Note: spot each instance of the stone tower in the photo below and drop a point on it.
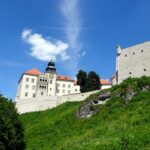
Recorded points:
(50, 72)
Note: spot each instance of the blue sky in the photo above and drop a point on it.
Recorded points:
(78, 34)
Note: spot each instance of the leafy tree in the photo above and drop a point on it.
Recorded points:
(11, 131)
(82, 80)
(93, 82)
(88, 82)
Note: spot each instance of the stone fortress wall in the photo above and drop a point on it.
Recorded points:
(47, 102)
(133, 61)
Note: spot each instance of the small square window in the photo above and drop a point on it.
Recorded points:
(27, 79)
(32, 80)
(142, 51)
(33, 94)
(63, 85)
(26, 94)
(130, 73)
(27, 86)
(145, 70)
(33, 87)
(125, 55)
(133, 53)
(42, 93)
(51, 81)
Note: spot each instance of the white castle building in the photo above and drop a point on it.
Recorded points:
(33, 83)
(133, 61)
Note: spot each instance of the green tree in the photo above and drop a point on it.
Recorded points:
(88, 82)
(82, 80)
(11, 131)
(93, 82)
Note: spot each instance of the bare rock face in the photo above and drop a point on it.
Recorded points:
(146, 88)
(104, 96)
(87, 110)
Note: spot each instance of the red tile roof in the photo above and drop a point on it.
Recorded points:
(33, 71)
(66, 78)
(105, 82)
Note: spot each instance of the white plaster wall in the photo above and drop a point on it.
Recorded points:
(65, 90)
(106, 87)
(44, 103)
(134, 63)
(22, 86)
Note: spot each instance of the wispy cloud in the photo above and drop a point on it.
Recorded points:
(45, 49)
(72, 27)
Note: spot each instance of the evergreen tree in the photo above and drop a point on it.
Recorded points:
(11, 131)
(88, 82)
(82, 80)
(93, 82)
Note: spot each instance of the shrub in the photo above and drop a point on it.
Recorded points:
(11, 131)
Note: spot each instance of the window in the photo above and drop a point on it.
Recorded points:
(142, 51)
(51, 81)
(57, 91)
(33, 94)
(58, 85)
(27, 86)
(42, 93)
(26, 94)
(133, 53)
(50, 89)
(33, 87)
(32, 80)
(63, 91)
(69, 86)
(130, 73)
(145, 70)
(63, 85)
(68, 91)
(40, 86)
(27, 79)
(45, 80)
(125, 55)
(40, 79)
(76, 90)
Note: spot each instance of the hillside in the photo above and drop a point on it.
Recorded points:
(118, 125)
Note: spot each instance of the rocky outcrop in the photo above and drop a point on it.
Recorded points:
(104, 96)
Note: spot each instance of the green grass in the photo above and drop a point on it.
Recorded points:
(117, 126)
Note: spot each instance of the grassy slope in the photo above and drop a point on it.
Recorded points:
(116, 126)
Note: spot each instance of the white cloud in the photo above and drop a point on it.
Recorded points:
(45, 49)
(70, 11)
(72, 28)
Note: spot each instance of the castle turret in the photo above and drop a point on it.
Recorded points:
(50, 67)
(119, 49)
(50, 71)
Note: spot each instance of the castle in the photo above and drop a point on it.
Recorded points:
(40, 91)
(133, 61)
(33, 84)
